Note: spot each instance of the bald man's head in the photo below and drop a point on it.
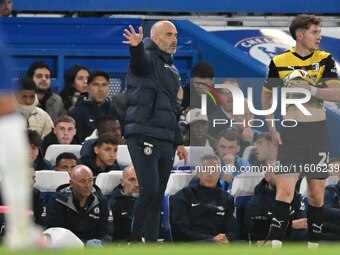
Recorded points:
(164, 34)
(129, 182)
(81, 181)
(79, 169)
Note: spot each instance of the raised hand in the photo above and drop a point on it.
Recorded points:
(133, 38)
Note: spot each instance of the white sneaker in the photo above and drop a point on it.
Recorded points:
(276, 244)
(312, 245)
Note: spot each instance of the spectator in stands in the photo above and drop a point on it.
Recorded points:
(203, 212)
(243, 130)
(331, 223)
(225, 111)
(83, 211)
(5, 8)
(122, 201)
(92, 105)
(36, 156)
(103, 154)
(259, 211)
(36, 118)
(65, 162)
(105, 124)
(49, 101)
(198, 130)
(202, 77)
(265, 150)
(75, 83)
(228, 148)
(64, 132)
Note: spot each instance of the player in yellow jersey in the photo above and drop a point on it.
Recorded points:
(305, 146)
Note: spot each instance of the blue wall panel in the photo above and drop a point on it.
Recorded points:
(253, 6)
(95, 43)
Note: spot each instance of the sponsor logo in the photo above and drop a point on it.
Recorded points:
(193, 205)
(93, 216)
(317, 229)
(221, 208)
(276, 223)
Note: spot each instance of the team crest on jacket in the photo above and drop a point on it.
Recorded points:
(147, 151)
(96, 210)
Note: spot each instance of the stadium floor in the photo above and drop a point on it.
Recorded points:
(186, 249)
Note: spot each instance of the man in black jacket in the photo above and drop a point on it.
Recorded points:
(92, 105)
(203, 211)
(102, 155)
(83, 211)
(122, 201)
(151, 121)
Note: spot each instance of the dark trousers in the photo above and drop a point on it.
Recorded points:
(152, 160)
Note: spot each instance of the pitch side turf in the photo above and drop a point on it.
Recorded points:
(188, 249)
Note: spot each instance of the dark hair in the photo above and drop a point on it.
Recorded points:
(68, 90)
(203, 70)
(36, 65)
(229, 135)
(303, 21)
(26, 83)
(66, 155)
(267, 137)
(106, 138)
(34, 137)
(97, 73)
(101, 121)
